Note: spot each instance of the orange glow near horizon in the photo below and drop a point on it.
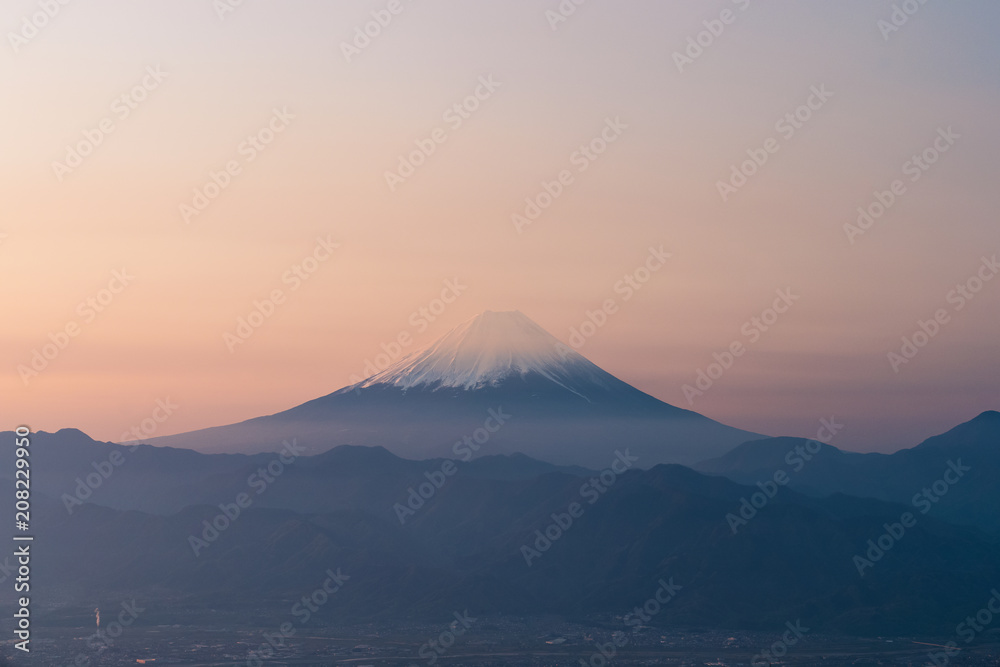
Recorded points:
(159, 329)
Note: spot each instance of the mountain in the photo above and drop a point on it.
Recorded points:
(901, 477)
(464, 549)
(489, 349)
(499, 384)
(74, 469)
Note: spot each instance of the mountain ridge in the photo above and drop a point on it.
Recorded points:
(564, 409)
(897, 477)
(464, 546)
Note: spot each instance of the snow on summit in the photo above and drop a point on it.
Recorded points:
(486, 349)
(569, 411)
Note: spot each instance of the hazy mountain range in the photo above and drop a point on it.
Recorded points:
(499, 471)
(907, 476)
(464, 546)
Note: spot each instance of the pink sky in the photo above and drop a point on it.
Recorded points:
(670, 137)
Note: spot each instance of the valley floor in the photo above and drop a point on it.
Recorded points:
(487, 641)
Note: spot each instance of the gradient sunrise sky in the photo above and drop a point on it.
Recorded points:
(323, 176)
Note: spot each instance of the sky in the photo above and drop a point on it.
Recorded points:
(170, 167)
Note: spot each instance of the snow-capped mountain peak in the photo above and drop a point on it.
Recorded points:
(486, 349)
(562, 407)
